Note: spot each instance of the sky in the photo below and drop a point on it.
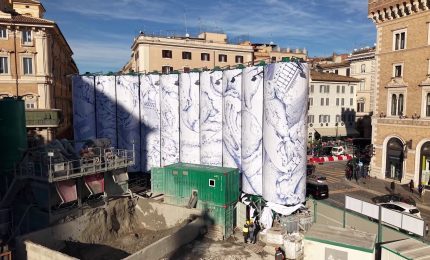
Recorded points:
(101, 32)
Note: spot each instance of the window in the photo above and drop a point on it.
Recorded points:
(26, 36)
(337, 89)
(398, 70)
(186, 55)
(397, 104)
(336, 71)
(348, 72)
(327, 89)
(327, 101)
(351, 101)
(3, 33)
(322, 101)
(167, 54)
(211, 183)
(362, 85)
(360, 107)
(337, 101)
(428, 105)
(343, 89)
(311, 101)
(186, 69)
(363, 68)
(273, 59)
(27, 66)
(337, 118)
(4, 66)
(310, 119)
(205, 57)
(239, 59)
(166, 69)
(399, 40)
(312, 88)
(321, 88)
(342, 102)
(222, 58)
(352, 90)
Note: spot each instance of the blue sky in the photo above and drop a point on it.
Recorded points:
(101, 32)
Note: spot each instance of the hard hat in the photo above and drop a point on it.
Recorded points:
(247, 222)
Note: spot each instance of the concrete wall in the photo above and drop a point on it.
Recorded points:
(152, 215)
(38, 252)
(169, 244)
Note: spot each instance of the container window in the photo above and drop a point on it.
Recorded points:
(175, 172)
(211, 183)
(185, 173)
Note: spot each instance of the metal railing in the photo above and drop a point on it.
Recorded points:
(100, 161)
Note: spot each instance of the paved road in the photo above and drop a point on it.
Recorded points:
(363, 189)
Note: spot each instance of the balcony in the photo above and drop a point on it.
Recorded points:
(43, 117)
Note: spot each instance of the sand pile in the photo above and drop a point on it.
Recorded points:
(117, 219)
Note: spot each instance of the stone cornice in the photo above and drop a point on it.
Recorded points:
(396, 82)
(426, 82)
(382, 10)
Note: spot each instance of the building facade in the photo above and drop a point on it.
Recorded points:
(167, 54)
(273, 53)
(363, 67)
(401, 122)
(331, 105)
(35, 64)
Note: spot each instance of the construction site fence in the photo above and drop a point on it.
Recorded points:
(331, 215)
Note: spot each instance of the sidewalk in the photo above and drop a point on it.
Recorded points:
(382, 187)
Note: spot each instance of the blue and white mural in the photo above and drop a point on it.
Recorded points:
(128, 119)
(232, 121)
(84, 108)
(169, 99)
(284, 133)
(189, 127)
(211, 118)
(150, 121)
(251, 119)
(106, 108)
(252, 130)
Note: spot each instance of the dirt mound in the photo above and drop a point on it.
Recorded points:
(113, 221)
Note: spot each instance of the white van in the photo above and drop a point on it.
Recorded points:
(338, 150)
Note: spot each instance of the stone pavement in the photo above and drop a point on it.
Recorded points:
(382, 187)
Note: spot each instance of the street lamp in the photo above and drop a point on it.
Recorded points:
(337, 129)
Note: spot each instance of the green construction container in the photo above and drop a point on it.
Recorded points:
(214, 185)
(13, 133)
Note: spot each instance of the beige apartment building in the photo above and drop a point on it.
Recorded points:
(35, 64)
(401, 122)
(273, 53)
(167, 54)
(363, 67)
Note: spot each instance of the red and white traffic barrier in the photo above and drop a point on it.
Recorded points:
(330, 158)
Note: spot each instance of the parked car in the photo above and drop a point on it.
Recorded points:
(402, 207)
(318, 190)
(318, 178)
(394, 198)
(338, 150)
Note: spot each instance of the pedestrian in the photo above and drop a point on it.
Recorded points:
(420, 190)
(411, 186)
(279, 255)
(245, 232)
(251, 231)
(257, 229)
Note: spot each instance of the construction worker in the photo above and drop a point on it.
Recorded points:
(279, 255)
(245, 232)
(251, 233)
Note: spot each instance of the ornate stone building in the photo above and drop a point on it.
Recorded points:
(401, 122)
(36, 63)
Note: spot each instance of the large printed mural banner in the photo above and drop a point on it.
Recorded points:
(253, 119)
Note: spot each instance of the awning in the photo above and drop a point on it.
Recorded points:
(339, 131)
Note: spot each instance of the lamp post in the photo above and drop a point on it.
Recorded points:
(337, 129)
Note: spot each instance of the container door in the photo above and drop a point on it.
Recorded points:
(157, 180)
